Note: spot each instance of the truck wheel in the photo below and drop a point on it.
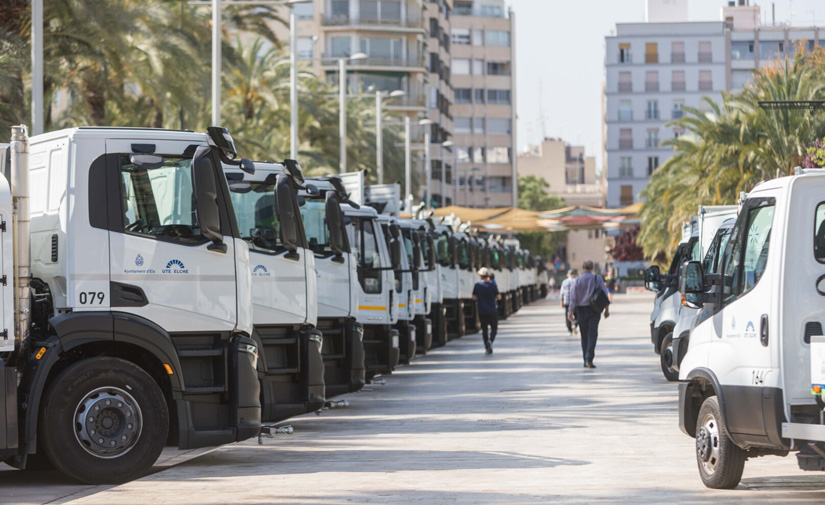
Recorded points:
(666, 358)
(104, 421)
(720, 461)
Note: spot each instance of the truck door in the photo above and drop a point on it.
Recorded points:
(331, 272)
(740, 354)
(372, 304)
(279, 287)
(162, 267)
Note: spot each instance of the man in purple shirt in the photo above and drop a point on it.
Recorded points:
(588, 319)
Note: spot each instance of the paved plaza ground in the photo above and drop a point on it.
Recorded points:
(525, 425)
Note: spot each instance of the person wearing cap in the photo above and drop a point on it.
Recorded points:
(486, 294)
(565, 291)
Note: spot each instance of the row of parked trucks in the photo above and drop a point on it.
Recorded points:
(737, 321)
(158, 290)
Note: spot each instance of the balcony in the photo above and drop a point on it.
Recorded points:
(678, 114)
(705, 85)
(625, 115)
(625, 87)
(678, 86)
(677, 58)
(625, 143)
(412, 21)
(652, 143)
(651, 86)
(652, 115)
(705, 57)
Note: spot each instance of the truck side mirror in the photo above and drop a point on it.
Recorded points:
(395, 253)
(206, 197)
(335, 223)
(652, 278)
(453, 250)
(395, 231)
(416, 256)
(431, 253)
(286, 213)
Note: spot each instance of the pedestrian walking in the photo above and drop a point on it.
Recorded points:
(552, 284)
(565, 290)
(610, 282)
(588, 298)
(486, 294)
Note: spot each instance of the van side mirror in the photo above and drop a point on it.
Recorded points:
(287, 217)
(206, 197)
(395, 253)
(692, 278)
(335, 223)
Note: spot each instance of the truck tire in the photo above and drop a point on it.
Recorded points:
(720, 461)
(119, 444)
(666, 358)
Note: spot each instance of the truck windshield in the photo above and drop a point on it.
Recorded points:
(160, 201)
(495, 259)
(442, 247)
(314, 216)
(425, 250)
(256, 210)
(463, 255)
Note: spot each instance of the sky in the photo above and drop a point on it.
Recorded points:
(560, 59)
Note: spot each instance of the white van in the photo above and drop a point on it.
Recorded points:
(747, 387)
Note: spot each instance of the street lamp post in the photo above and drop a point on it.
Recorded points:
(379, 131)
(216, 62)
(37, 67)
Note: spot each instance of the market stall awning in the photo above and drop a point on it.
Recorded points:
(470, 214)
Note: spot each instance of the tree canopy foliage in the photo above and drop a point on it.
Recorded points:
(732, 146)
(145, 63)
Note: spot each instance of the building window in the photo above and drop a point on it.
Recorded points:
(625, 55)
(626, 197)
(478, 37)
(305, 47)
(677, 109)
(340, 9)
(741, 50)
(625, 82)
(461, 66)
(463, 154)
(381, 10)
(705, 52)
(651, 52)
(652, 111)
(383, 49)
(479, 155)
(339, 47)
(652, 164)
(771, 50)
(498, 155)
(625, 110)
(705, 80)
(677, 52)
(463, 125)
(625, 167)
(463, 95)
(478, 67)
(498, 38)
(478, 126)
(491, 11)
(461, 36)
(498, 68)
(433, 103)
(625, 138)
(652, 138)
(678, 83)
(652, 81)
(499, 126)
(304, 11)
(740, 79)
(678, 132)
(498, 96)
(479, 96)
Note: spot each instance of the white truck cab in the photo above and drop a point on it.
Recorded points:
(337, 285)
(129, 316)
(447, 248)
(376, 295)
(421, 254)
(751, 378)
(284, 291)
(404, 293)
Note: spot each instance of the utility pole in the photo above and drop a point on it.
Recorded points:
(216, 62)
(38, 105)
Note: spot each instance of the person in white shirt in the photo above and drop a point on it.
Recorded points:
(566, 289)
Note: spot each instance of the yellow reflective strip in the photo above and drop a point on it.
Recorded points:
(401, 306)
(369, 307)
(419, 301)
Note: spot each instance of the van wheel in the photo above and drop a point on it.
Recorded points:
(720, 461)
(105, 421)
(666, 358)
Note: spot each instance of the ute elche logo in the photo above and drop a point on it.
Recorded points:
(260, 271)
(175, 267)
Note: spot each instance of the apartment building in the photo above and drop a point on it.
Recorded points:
(439, 99)
(483, 77)
(654, 69)
(570, 173)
